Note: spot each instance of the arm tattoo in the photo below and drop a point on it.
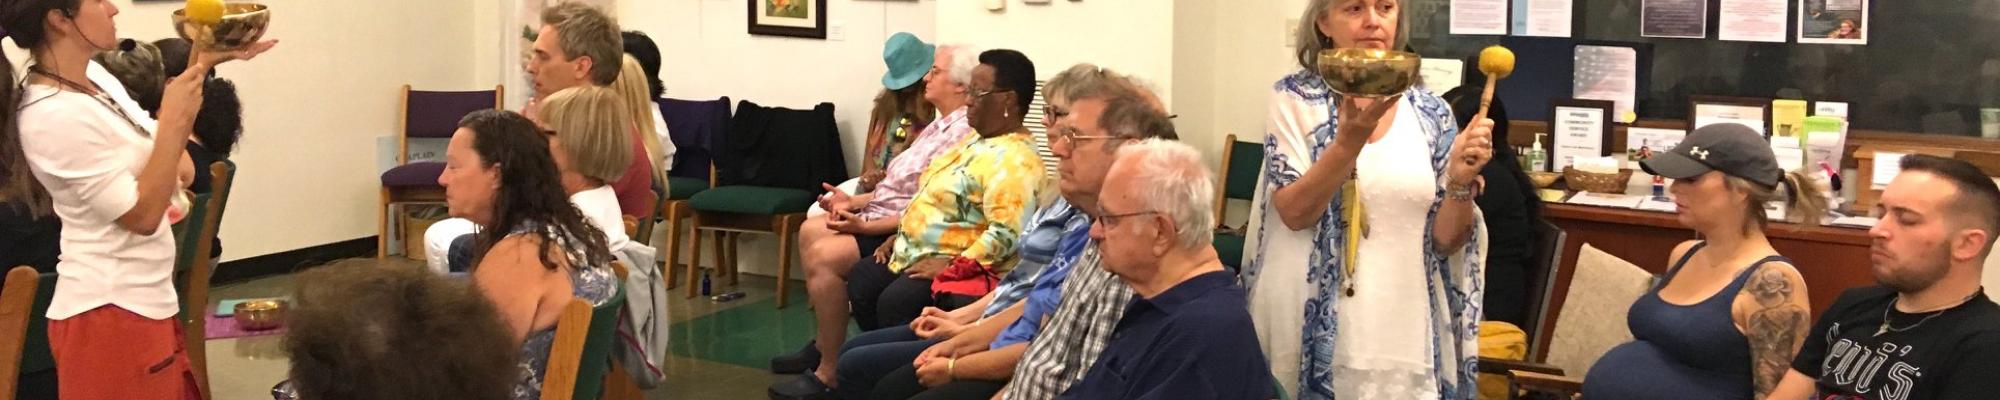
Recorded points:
(1774, 329)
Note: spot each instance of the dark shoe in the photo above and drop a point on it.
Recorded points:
(804, 387)
(796, 362)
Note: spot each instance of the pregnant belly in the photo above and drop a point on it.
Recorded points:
(1638, 370)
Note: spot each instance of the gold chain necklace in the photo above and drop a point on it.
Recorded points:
(1885, 329)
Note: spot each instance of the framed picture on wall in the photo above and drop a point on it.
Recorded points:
(795, 18)
(1578, 129)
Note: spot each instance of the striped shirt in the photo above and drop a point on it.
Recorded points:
(1092, 302)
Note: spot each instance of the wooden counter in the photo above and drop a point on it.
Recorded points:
(1832, 259)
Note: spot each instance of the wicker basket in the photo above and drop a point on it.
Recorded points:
(1597, 183)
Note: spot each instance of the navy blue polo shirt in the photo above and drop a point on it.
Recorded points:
(1194, 341)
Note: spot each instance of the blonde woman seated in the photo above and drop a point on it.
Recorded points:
(589, 145)
(537, 252)
(1731, 312)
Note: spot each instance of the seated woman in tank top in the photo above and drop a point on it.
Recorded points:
(538, 252)
(1731, 312)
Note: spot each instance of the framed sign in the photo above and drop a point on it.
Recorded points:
(795, 18)
(1709, 110)
(1643, 143)
(1578, 129)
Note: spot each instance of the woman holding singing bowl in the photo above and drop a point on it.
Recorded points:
(110, 173)
(1363, 267)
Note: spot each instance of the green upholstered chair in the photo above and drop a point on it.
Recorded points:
(194, 262)
(581, 354)
(1241, 162)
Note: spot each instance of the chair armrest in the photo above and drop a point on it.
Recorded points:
(1534, 382)
(1504, 366)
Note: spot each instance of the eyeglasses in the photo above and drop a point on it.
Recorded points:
(1111, 220)
(1055, 113)
(1069, 135)
(982, 93)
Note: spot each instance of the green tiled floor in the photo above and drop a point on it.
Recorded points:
(747, 335)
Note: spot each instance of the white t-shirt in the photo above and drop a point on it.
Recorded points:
(667, 148)
(89, 159)
(600, 206)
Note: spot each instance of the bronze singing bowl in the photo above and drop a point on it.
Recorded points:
(257, 315)
(1368, 72)
(242, 24)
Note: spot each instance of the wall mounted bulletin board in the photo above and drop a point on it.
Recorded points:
(1928, 67)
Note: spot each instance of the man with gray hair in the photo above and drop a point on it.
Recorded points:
(1081, 320)
(1188, 334)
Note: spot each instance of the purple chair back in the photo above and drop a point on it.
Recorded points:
(429, 114)
(693, 125)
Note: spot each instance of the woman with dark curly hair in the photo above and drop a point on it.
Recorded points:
(537, 251)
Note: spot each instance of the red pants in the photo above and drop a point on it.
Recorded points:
(109, 353)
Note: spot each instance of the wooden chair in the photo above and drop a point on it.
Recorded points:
(17, 300)
(1241, 162)
(195, 262)
(1541, 374)
(728, 228)
(425, 114)
(738, 205)
(642, 230)
(618, 383)
(36, 362)
(1542, 279)
(692, 125)
(581, 355)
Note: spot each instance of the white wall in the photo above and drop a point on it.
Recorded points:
(1246, 50)
(707, 53)
(314, 106)
(1131, 36)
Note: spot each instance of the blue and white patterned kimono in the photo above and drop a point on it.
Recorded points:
(1411, 331)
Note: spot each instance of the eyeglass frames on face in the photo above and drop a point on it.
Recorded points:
(1069, 135)
(976, 95)
(1111, 220)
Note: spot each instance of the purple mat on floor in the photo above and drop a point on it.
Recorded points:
(225, 328)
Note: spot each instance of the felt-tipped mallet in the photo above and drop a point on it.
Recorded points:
(1496, 62)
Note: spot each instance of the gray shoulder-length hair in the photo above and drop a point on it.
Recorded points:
(1308, 42)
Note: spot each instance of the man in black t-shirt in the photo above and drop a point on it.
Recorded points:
(1928, 331)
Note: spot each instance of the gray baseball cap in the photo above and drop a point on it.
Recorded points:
(1734, 149)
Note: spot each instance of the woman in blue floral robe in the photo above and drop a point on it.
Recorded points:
(1408, 328)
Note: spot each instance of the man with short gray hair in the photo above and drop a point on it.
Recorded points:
(1187, 334)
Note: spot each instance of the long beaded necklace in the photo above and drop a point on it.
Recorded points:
(97, 93)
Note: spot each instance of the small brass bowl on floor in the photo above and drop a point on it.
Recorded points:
(242, 24)
(257, 315)
(1368, 72)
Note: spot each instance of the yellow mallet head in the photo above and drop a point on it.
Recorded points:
(1496, 61)
(205, 12)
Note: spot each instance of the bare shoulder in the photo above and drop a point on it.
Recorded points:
(517, 253)
(1680, 250)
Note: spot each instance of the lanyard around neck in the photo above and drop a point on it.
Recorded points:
(96, 93)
